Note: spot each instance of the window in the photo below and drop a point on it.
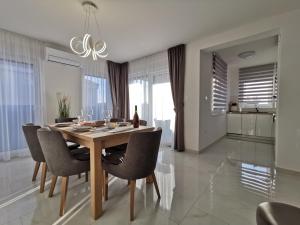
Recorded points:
(139, 96)
(97, 96)
(258, 86)
(219, 85)
(150, 90)
(163, 110)
(153, 97)
(19, 104)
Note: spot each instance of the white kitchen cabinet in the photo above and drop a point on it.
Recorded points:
(234, 123)
(264, 125)
(248, 124)
(252, 124)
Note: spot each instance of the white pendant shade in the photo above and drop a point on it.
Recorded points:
(85, 46)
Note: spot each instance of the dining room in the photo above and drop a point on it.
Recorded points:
(116, 112)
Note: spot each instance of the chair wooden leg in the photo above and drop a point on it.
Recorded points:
(103, 182)
(79, 175)
(155, 184)
(64, 189)
(105, 186)
(149, 179)
(132, 189)
(86, 176)
(52, 187)
(36, 170)
(43, 178)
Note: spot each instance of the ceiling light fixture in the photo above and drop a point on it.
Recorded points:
(246, 54)
(85, 45)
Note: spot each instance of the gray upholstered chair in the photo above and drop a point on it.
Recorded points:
(142, 122)
(64, 120)
(139, 162)
(115, 120)
(116, 152)
(60, 161)
(30, 133)
(275, 213)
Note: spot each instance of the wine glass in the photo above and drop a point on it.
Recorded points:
(83, 114)
(107, 116)
(90, 113)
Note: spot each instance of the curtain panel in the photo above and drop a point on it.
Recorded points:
(21, 91)
(176, 57)
(96, 94)
(118, 79)
(150, 90)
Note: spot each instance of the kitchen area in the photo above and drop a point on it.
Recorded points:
(252, 89)
(239, 91)
(251, 124)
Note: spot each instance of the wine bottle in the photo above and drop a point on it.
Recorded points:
(136, 120)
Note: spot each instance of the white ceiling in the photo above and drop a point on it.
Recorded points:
(135, 28)
(266, 51)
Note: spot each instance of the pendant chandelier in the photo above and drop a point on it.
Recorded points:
(85, 45)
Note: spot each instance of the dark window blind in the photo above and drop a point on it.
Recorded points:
(258, 84)
(219, 84)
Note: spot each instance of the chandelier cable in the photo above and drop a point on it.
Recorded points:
(97, 24)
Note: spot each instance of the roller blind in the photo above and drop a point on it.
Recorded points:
(219, 84)
(258, 84)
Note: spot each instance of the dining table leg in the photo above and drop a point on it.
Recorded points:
(96, 179)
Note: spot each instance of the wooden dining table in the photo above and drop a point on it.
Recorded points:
(96, 140)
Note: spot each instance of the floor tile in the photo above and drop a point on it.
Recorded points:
(221, 185)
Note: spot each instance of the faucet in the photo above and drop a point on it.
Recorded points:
(256, 108)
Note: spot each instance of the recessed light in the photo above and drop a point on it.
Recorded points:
(246, 54)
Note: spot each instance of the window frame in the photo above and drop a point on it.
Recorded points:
(218, 61)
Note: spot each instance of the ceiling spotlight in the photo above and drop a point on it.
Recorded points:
(246, 54)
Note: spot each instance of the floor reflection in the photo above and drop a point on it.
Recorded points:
(258, 179)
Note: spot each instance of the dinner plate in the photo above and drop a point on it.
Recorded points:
(123, 124)
(82, 128)
(120, 129)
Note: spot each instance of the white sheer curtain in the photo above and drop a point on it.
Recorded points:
(96, 96)
(150, 90)
(20, 91)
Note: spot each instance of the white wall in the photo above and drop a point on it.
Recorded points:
(233, 82)
(66, 80)
(288, 122)
(212, 127)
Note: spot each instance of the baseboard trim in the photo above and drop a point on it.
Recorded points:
(288, 171)
(266, 140)
(208, 146)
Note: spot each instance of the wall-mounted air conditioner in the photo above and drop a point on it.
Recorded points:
(54, 55)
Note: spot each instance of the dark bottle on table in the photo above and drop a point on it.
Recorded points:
(136, 120)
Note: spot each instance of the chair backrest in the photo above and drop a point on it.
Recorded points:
(65, 120)
(141, 154)
(142, 122)
(59, 160)
(30, 133)
(114, 120)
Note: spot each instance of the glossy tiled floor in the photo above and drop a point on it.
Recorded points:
(222, 185)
